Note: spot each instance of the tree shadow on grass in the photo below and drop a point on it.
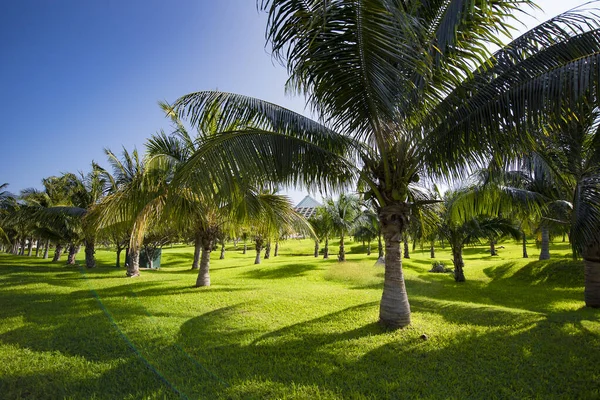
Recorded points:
(515, 354)
(280, 272)
(561, 273)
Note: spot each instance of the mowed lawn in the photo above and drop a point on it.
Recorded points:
(297, 327)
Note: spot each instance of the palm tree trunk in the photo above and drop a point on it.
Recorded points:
(23, 244)
(459, 273)
(257, 259)
(591, 262)
(525, 255)
(57, 252)
(406, 253)
(72, 253)
(119, 250)
(46, 248)
(432, 251)
(342, 253)
(133, 267)
(222, 256)
(276, 253)
(326, 249)
(90, 250)
(29, 247)
(394, 309)
(15, 247)
(259, 241)
(268, 250)
(204, 269)
(545, 253)
(197, 250)
(245, 248)
(369, 248)
(316, 248)
(37, 248)
(493, 248)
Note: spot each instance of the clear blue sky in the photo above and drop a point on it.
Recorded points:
(77, 76)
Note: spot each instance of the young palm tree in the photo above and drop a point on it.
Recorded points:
(461, 229)
(343, 214)
(274, 213)
(401, 89)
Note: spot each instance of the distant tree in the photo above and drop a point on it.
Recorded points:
(343, 214)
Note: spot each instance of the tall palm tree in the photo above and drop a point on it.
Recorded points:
(401, 89)
(570, 149)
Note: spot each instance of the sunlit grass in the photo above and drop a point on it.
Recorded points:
(297, 326)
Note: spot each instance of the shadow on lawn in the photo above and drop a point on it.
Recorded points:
(280, 272)
(524, 355)
(558, 273)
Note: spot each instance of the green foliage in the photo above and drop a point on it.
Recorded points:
(297, 327)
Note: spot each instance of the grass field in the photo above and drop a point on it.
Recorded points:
(297, 327)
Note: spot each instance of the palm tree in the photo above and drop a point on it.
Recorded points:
(323, 228)
(570, 149)
(402, 89)
(343, 214)
(273, 213)
(127, 171)
(5, 206)
(460, 228)
(367, 227)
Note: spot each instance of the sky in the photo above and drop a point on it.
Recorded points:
(80, 76)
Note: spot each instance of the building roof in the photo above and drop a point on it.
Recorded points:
(307, 207)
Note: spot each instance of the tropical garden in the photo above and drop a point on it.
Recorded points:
(446, 170)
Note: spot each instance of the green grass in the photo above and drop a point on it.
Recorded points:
(297, 327)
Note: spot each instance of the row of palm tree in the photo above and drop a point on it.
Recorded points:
(402, 91)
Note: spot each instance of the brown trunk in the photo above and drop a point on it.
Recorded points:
(394, 310)
(29, 247)
(591, 260)
(133, 268)
(22, 248)
(545, 252)
(90, 250)
(222, 256)
(204, 269)
(197, 250)
(432, 251)
(46, 248)
(369, 248)
(459, 274)
(326, 249)
(268, 250)
(342, 253)
(493, 248)
(57, 252)
(259, 242)
(316, 248)
(276, 252)
(119, 250)
(72, 253)
(406, 253)
(245, 248)
(525, 255)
